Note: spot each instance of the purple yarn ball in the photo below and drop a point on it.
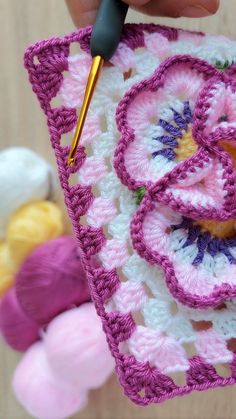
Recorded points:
(18, 330)
(51, 280)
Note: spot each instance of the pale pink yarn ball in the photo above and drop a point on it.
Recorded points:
(77, 349)
(41, 393)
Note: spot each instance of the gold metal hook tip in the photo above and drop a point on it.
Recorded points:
(94, 73)
(71, 161)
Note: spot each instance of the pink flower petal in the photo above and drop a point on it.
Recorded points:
(197, 285)
(183, 83)
(141, 112)
(179, 84)
(203, 187)
(222, 109)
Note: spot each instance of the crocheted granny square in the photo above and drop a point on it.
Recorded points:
(152, 198)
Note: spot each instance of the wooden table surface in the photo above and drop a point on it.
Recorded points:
(22, 123)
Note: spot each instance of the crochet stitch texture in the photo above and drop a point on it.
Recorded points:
(152, 198)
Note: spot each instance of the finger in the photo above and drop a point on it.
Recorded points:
(187, 8)
(83, 12)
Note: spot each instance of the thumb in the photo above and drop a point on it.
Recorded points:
(83, 12)
(172, 8)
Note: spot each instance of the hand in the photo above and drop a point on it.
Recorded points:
(83, 12)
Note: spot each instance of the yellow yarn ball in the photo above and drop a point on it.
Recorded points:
(6, 269)
(32, 225)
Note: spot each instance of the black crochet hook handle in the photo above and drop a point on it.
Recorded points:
(108, 28)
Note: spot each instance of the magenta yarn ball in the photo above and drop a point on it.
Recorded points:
(18, 330)
(51, 280)
(77, 349)
(41, 393)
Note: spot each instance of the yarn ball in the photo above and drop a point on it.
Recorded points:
(41, 393)
(6, 269)
(32, 225)
(51, 280)
(77, 349)
(24, 177)
(17, 329)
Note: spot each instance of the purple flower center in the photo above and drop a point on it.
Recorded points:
(205, 242)
(173, 132)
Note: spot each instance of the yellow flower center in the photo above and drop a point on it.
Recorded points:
(220, 229)
(230, 148)
(186, 146)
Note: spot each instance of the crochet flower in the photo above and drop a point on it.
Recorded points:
(178, 143)
(178, 138)
(198, 257)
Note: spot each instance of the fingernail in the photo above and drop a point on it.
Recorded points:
(195, 11)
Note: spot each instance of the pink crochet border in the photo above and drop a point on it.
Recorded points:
(46, 61)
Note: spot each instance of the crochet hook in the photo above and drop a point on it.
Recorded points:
(104, 41)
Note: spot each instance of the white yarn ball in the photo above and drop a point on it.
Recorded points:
(24, 177)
